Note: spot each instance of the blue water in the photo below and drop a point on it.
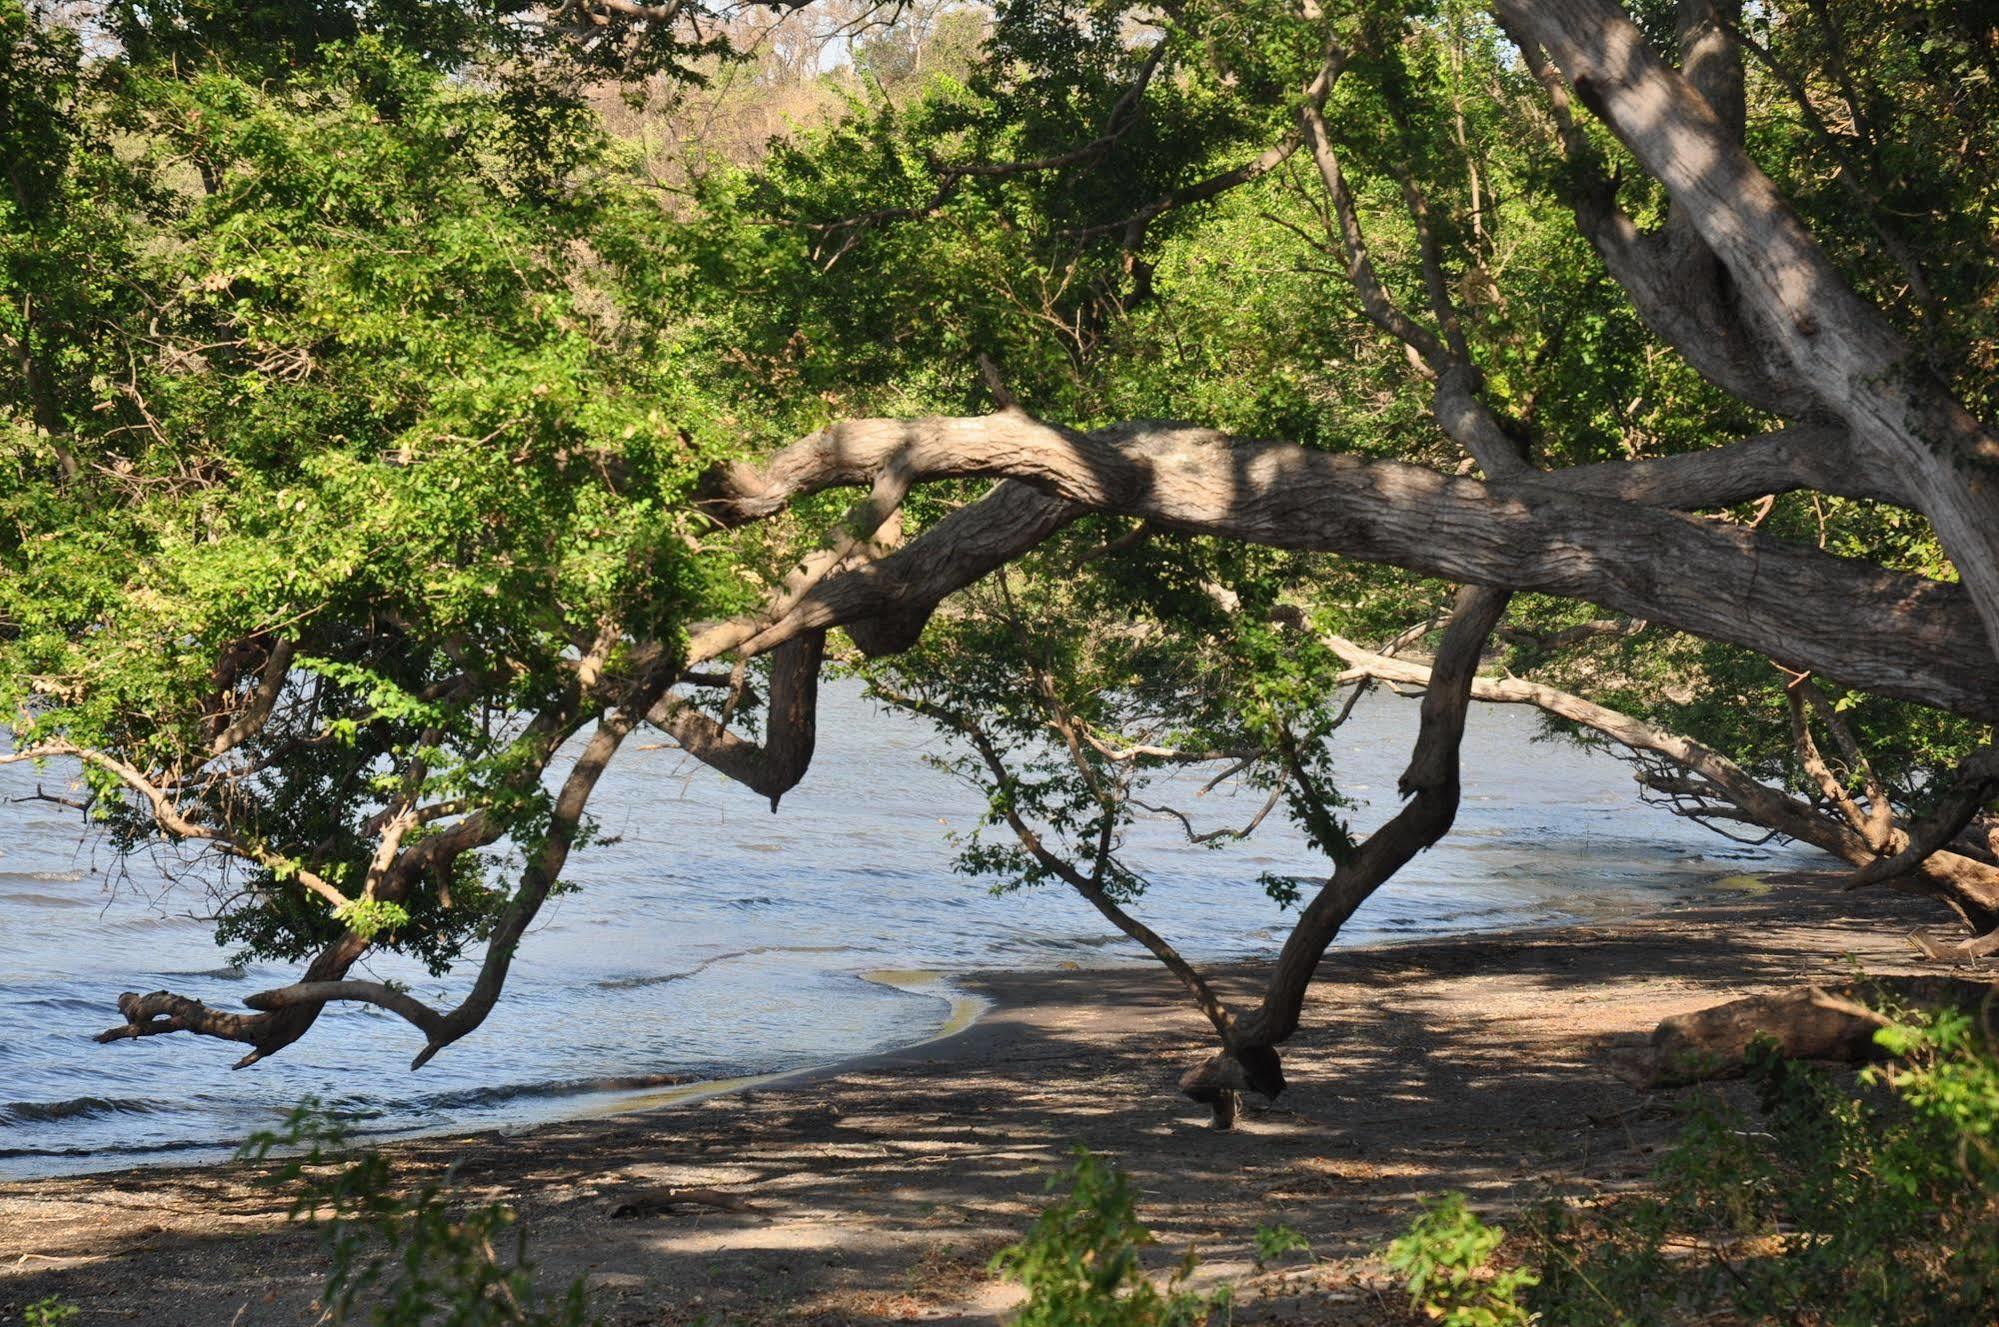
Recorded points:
(713, 939)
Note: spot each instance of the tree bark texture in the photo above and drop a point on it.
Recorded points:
(1923, 640)
(1800, 309)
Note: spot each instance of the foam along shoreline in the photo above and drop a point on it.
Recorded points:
(551, 1104)
(541, 1105)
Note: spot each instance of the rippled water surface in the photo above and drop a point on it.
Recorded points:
(714, 939)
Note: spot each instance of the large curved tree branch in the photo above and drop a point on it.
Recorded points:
(1976, 784)
(1715, 580)
(775, 767)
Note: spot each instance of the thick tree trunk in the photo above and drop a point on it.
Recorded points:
(1801, 309)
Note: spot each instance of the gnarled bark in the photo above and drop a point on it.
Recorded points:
(1798, 306)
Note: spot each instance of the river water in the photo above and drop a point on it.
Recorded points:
(712, 939)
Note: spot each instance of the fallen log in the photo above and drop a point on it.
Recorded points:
(646, 1202)
(1829, 1022)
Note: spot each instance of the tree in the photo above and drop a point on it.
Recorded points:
(1538, 325)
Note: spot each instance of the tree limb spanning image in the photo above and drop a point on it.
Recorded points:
(406, 405)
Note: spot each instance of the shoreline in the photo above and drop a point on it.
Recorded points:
(880, 1185)
(639, 1091)
(622, 1094)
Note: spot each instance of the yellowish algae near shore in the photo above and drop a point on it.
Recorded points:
(1744, 884)
(965, 1009)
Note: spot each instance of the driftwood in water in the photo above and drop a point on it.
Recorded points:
(1824, 1022)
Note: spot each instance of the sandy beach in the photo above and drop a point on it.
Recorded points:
(875, 1191)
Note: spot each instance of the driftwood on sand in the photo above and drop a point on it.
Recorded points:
(1827, 1021)
(651, 1201)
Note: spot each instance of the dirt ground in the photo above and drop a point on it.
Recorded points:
(880, 1189)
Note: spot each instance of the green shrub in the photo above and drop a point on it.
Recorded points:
(50, 1312)
(418, 1259)
(1277, 1239)
(1079, 1262)
(1849, 1202)
(1445, 1261)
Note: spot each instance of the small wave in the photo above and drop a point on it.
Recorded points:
(117, 1149)
(73, 1001)
(42, 1112)
(32, 900)
(662, 978)
(650, 979)
(68, 877)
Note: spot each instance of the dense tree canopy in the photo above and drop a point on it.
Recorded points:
(405, 403)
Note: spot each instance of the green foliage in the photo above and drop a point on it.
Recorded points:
(499, 38)
(349, 327)
(1446, 1263)
(52, 1311)
(412, 1257)
(1080, 1261)
(368, 918)
(1852, 1202)
(1275, 1240)
(390, 402)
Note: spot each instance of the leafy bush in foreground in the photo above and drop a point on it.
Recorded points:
(1842, 1203)
(417, 1259)
(51, 1312)
(1079, 1262)
(1445, 1262)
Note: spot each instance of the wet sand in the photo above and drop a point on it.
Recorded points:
(878, 1189)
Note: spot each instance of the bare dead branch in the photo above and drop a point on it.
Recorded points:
(1969, 885)
(174, 822)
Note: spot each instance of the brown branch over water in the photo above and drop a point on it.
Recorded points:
(1526, 532)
